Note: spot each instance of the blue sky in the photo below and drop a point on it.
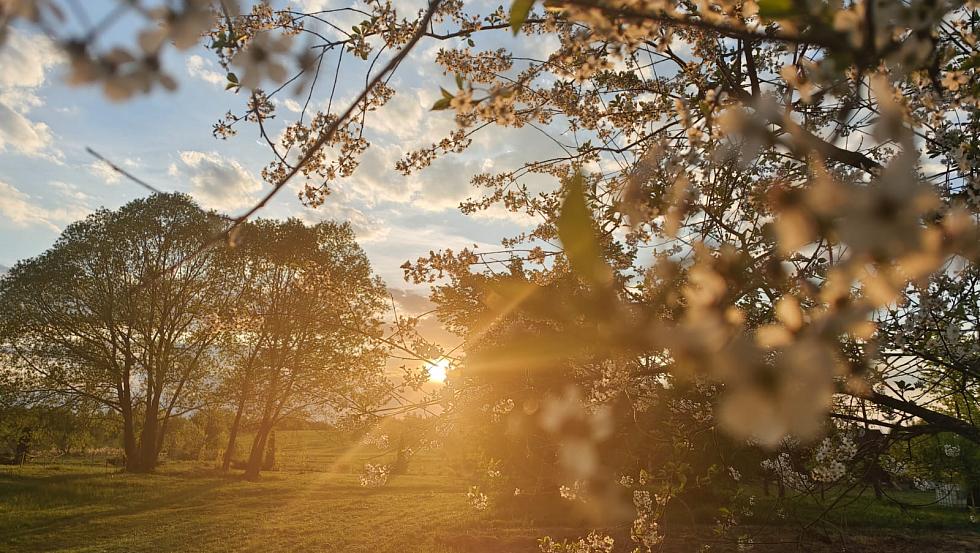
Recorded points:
(48, 180)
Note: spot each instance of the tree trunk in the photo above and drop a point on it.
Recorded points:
(270, 452)
(23, 446)
(161, 433)
(148, 438)
(262, 432)
(232, 436)
(129, 439)
(258, 448)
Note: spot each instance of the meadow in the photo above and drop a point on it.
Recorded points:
(315, 503)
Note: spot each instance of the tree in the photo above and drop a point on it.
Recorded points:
(775, 198)
(305, 331)
(120, 311)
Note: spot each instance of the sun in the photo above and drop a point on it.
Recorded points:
(439, 370)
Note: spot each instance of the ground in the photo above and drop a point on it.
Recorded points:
(86, 507)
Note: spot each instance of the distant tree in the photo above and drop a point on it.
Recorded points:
(120, 311)
(305, 331)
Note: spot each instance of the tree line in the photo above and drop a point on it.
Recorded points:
(138, 312)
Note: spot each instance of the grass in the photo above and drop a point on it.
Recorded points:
(899, 509)
(315, 503)
(82, 508)
(319, 451)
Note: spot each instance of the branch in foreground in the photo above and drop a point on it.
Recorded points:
(229, 233)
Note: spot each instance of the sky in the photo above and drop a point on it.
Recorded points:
(48, 180)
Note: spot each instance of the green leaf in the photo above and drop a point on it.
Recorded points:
(459, 81)
(576, 231)
(232, 78)
(441, 104)
(470, 42)
(772, 9)
(519, 11)
(446, 94)
(970, 63)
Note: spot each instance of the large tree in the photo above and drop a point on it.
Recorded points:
(120, 311)
(304, 334)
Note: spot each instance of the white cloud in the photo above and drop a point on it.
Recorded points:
(102, 170)
(205, 70)
(445, 183)
(21, 210)
(402, 118)
(70, 191)
(292, 105)
(26, 136)
(25, 59)
(215, 181)
(367, 227)
(311, 5)
(376, 179)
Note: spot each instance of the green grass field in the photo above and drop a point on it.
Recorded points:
(319, 451)
(186, 508)
(315, 503)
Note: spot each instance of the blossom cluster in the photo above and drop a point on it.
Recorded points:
(831, 458)
(477, 499)
(375, 476)
(594, 542)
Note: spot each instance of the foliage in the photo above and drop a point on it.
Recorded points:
(762, 231)
(302, 335)
(119, 311)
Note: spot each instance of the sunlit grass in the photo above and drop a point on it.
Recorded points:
(190, 507)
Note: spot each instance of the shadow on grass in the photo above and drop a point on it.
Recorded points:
(33, 500)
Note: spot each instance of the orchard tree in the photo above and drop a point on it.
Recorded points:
(120, 311)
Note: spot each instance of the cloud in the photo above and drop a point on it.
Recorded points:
(415, 303)
(70, 191)
(411, 302)
(21, 210)
(376, 180)
(446, 183)
(107, 174)
(103, 171)
(205, 70)
(215, 181)
(26, 136)
(367, 227)
(25, 60)
(311, 5)
(404, 118)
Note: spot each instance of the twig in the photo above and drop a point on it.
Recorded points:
(315, 148)
(123, 172)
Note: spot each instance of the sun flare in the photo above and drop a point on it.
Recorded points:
(439, 370)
